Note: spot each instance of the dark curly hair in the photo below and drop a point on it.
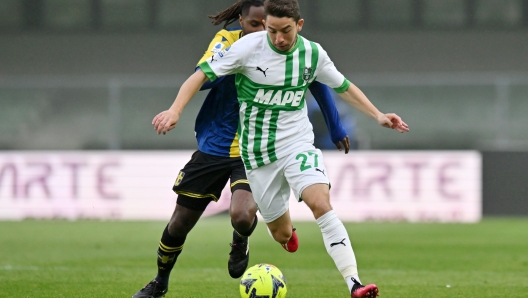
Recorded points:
(229, 15)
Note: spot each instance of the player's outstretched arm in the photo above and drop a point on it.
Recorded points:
(326, 103)
(355, 97)
(167, 120)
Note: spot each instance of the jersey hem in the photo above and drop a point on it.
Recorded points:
(208, 71)
(343, 87)
(196, 195)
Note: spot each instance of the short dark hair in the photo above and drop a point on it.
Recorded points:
(283, 9)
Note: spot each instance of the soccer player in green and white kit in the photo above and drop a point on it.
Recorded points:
(273, 70)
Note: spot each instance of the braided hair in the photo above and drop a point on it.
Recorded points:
(231, 14)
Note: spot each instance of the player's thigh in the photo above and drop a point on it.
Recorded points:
(317, 198)
(270, 190)
(238, 176)
(305, 168)
(241, 198)
(202, 180)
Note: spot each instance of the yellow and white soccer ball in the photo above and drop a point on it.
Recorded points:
(263, 281)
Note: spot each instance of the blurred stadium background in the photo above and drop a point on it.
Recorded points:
(84, 78)
(105, 66)
(90, 74)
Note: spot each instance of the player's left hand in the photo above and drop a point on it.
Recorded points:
(393, 121)
(165, 121)
(344, 143)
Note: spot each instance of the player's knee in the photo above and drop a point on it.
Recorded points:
(320, 208)
(282, 236)
(242, 219)
(242, 216)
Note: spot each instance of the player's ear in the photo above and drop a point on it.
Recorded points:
(240, 20)
(300, 24)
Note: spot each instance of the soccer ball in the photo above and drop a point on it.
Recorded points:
(263, 281)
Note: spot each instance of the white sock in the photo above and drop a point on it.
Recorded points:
(350, 282)
(338, 246)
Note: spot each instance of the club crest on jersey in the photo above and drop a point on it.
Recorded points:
(179, 178)
(307, 74)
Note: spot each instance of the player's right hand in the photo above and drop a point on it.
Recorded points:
(344, 143)
(165, 121)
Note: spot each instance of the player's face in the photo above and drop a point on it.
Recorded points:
(283, 31)
(253, 21)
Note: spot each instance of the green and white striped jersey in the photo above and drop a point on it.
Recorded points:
(271, 87)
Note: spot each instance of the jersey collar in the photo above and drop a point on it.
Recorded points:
(297, 43)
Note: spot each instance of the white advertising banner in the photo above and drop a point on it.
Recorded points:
(416, 186)
(412, 186)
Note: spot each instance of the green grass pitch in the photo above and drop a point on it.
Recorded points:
(115, 259)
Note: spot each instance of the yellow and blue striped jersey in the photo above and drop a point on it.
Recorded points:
(217, 122)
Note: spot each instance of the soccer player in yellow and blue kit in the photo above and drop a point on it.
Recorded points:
(217, 159)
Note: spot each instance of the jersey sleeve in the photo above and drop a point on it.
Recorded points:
(323, 96)
(328, 73)
(225, 62)
(220, 42)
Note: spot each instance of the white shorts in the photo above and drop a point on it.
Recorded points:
(270, 184)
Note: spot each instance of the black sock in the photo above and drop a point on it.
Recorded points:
(241, 235)
(168, 251)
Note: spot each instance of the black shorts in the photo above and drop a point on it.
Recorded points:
(204, 177)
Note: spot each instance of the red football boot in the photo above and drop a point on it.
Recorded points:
(361, 291)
